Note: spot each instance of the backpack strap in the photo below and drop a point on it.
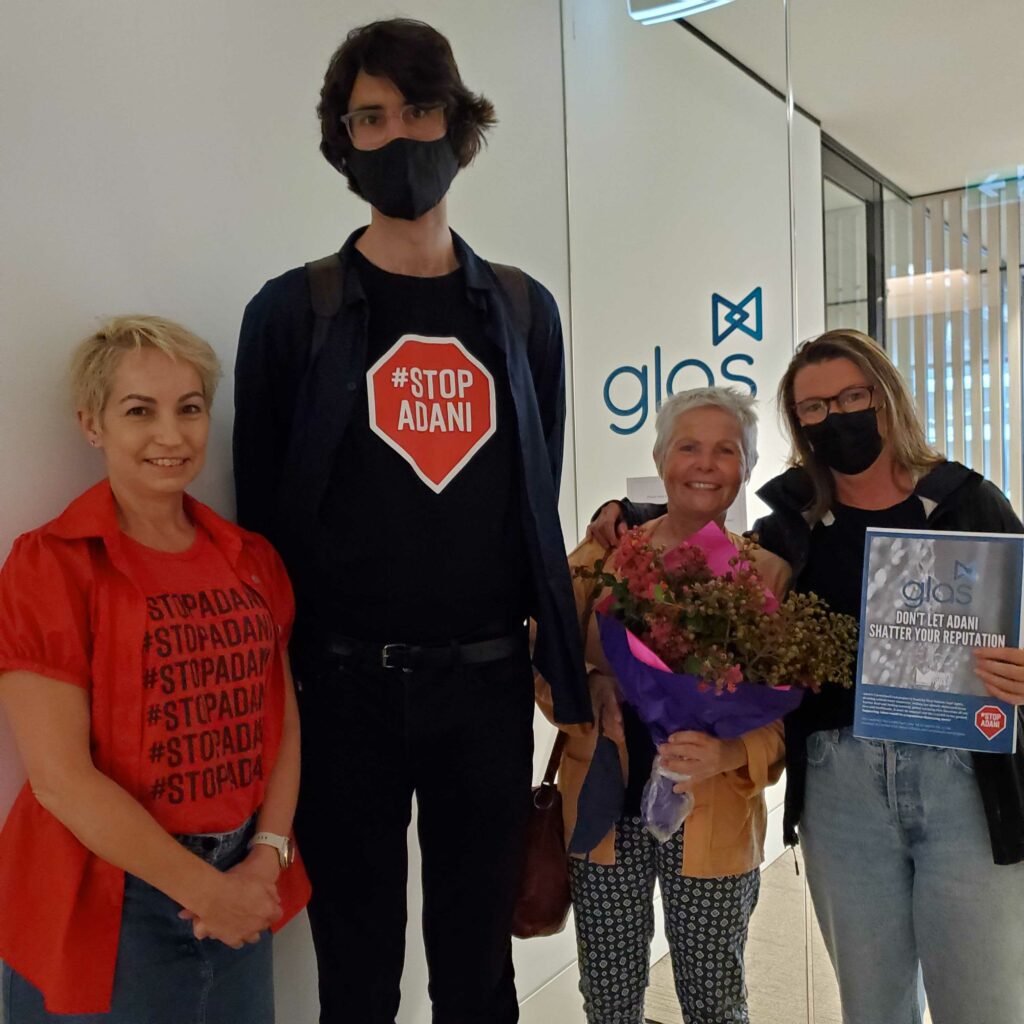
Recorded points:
(513, 283)
(325, 290)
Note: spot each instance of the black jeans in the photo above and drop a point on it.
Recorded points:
(462, 740)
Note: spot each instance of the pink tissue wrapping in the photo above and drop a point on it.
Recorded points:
(717, 548)
(643, 653)
(719, 552)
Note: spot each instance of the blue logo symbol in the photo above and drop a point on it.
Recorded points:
(727, 316)
(962, 571)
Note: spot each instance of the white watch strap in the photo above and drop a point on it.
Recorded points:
(279, 843)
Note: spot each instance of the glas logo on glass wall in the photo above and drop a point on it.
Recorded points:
(727, 316)
(631, 393)
(932, 591)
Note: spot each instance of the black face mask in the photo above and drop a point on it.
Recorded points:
(848, 442)
(405, 178)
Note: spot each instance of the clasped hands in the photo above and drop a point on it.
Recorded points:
(699, 757)
(242, 903)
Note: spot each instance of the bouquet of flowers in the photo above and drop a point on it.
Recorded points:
(698, 642)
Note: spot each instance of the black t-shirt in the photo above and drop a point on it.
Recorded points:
(834, 571)
(444, 556)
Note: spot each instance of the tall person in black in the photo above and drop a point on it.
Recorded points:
(398, 435)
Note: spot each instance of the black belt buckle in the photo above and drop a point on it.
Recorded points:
(389, 651)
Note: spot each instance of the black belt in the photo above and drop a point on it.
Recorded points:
(413, 656)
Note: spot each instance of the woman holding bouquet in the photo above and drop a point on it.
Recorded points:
(708, 871)
(144, 673)
(915, 855)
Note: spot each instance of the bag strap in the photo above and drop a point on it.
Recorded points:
(513, 282)
(326, 287)
(555, 759)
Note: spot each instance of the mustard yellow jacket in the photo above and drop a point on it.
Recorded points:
(726, 828)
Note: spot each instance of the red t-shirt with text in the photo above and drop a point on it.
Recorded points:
(207, 655)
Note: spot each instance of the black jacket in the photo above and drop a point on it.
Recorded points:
(955, 498)
(290, 417)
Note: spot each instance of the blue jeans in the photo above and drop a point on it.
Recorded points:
(164, 975)
(901, 875)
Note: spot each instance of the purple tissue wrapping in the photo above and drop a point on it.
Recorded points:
(669, 702)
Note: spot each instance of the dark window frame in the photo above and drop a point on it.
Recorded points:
(849, 172)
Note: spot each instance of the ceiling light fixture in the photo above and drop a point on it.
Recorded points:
(651, 12)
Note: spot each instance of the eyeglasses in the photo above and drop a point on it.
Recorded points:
(368, 128)
(855, 398)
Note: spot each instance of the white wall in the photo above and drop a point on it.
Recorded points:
(162, 158)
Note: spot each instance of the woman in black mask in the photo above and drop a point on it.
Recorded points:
(914, 854)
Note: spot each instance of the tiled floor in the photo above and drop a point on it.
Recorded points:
(776, 960)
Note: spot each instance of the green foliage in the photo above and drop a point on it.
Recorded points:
(724, 629)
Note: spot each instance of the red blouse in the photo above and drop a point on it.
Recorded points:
(73, 607)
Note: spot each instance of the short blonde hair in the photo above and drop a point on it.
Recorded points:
(96, 358)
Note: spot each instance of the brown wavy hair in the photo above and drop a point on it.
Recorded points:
(420, 63)
(903, 429)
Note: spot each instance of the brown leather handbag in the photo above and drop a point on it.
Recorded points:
(543, 904)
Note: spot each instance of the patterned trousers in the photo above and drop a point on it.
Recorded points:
(706, 923)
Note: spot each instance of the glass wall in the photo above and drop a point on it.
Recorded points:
(952, 307)
(955, 304)
(684, 183)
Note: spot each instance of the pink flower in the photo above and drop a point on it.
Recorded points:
(686, 562)
(732, 676)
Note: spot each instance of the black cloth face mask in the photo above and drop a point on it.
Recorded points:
(405, 178)
(848, 442)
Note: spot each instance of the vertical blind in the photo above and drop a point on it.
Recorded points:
(954, 321)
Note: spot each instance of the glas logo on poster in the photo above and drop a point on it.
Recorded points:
(632, 393)
(932, 591)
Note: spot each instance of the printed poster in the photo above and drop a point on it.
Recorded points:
(928, 600)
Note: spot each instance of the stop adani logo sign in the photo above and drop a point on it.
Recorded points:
(433, 402)
(990, 720)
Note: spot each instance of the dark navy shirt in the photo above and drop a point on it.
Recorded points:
(447, 557)
(293, 412)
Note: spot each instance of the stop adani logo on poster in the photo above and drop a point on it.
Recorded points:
(433, 402)
(990, 720)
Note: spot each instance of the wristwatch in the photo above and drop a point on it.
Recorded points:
(284, 846)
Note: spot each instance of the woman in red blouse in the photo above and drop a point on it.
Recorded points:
(144, 672)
